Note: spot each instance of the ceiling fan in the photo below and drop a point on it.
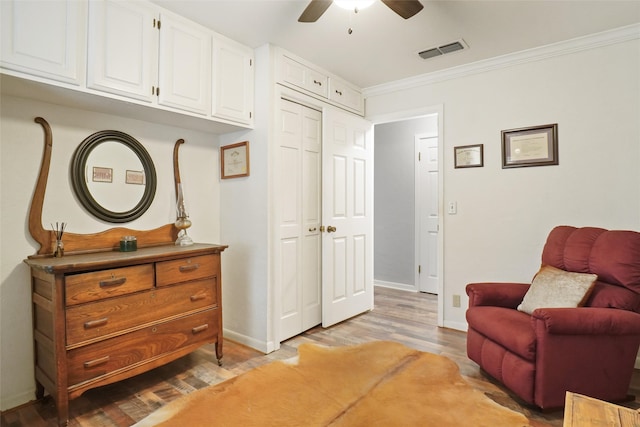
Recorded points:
(404, 8)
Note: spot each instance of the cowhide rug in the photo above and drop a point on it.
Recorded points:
(373, 384)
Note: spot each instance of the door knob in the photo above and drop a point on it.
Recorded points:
(331, 229)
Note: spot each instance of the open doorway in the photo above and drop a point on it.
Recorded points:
(408, 204)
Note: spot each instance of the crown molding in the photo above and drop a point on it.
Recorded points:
(592, 41)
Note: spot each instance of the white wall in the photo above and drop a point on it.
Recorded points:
(504, 215)
(21, 147)
(245, 226)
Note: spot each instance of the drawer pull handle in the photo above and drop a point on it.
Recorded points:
(112, 282)
(96, 362)
(317, 82)
(190, 267)
(200, 328)
(95, 323)
(198, 297)
(338, 92)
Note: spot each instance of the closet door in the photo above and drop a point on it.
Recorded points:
(298, 218)
(347, 247)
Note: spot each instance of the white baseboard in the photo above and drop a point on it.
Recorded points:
(458, 326)
(394, 285)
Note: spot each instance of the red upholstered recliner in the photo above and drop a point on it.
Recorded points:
(589, 350)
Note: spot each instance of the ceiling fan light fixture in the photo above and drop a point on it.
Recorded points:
(354, 4)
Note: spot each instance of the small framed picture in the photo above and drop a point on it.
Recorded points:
(234, 160)
(531, 146)
(101, 174)
(134, 177)
(469, 156)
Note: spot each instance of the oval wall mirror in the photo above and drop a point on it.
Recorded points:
(113, 176)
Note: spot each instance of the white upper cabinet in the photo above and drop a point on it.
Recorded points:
(185, 64)
(131, 51)
(300, 75)
(45, 38)
(345, 94)
(304, 77)
(233, 75)
(123, 48)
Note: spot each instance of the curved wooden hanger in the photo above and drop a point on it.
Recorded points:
(74, 243)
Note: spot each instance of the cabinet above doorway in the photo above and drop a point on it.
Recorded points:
(303, 76)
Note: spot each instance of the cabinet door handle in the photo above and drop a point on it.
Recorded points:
(200, 328)
(317, 82)
(96, 362)
(112, 282)
(338, 92)
(95, 323)
(187, 268)
(197, 297)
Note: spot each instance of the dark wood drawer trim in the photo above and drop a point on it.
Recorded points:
(186, 269)
(98, 285)
(113, 316)
(105, 357)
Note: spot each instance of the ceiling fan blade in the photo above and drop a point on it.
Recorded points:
(314, 10)
(404, 8)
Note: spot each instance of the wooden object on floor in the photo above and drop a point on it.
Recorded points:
(583, 411)
(103, 317)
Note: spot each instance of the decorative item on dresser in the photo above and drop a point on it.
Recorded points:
(101, 315)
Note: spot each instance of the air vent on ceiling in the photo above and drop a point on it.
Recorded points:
(442, 50)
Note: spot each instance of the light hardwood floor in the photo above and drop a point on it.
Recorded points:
(409, 318)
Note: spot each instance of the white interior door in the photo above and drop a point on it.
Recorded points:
(347, 215)
(427, 213)
(298, 217)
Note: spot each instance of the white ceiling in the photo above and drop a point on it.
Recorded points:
(384, 47)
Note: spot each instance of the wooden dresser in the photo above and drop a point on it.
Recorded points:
(102, 317)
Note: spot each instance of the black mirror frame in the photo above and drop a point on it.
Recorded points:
(78, 165)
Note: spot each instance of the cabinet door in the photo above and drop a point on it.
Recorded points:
(123, 46)
(232, 70)
(185, 65)
(345, 95)
(45, 38)
(304, 77)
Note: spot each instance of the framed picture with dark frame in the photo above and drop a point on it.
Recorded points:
(468, 156)
(234, 160)
(530, 146)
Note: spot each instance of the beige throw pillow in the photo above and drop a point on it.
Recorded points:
(552, 287)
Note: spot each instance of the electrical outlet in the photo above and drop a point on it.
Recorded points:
(456, 300)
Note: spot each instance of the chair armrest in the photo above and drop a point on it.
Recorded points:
(586, 321)
(507, 295)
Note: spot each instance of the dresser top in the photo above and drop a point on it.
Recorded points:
(109, 259)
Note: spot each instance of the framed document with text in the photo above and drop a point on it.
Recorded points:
(234, 160)
(532, 146)
(468, 156)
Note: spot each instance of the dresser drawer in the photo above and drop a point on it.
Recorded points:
(127, 350)
(114, 315)
(186, 269)
(85, 287)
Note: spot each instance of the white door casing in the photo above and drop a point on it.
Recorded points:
(347, 207)
(427, 202)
